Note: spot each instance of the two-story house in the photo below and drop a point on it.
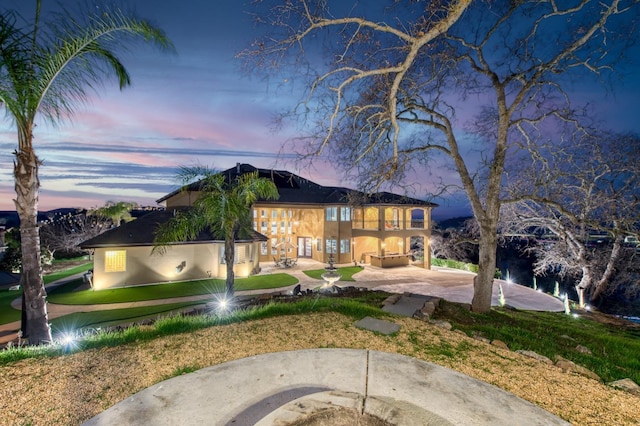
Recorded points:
(308, 220)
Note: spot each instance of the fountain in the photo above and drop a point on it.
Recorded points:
(331, 275)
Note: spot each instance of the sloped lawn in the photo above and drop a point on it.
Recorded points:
(65, 296)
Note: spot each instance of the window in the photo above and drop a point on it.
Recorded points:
(263, 213)
(283, 214)
(255, 213)
(345, 246)
(264, 248)
(264, 226)
(274, 250)
(223, 261)
(255, 225)
(274, 228)
(241, 254)
(115, 261)
(283, 227)
(332, 214)
(345, 214)
(330, 246)
(319, 244)
(274, 214)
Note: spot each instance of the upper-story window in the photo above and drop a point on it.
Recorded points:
(332, 214)
(274, 214)
(345, 214)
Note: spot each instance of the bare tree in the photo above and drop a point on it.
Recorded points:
(583, 196)
(388, 96)
(457, 243)
(64, 234)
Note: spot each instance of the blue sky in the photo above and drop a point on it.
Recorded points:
(195, 107)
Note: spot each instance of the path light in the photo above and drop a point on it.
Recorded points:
(567, 309)
(535, 283)
(556, 290)
(501, 298)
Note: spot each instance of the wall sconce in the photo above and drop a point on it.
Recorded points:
(180, 267)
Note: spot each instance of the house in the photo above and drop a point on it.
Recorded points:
(308, 220)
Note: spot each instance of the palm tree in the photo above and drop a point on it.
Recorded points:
(46, 70)
(223, 208)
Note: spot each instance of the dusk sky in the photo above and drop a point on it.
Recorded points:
(195, 107)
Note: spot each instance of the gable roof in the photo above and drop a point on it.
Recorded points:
(141, 232)
(294, 189)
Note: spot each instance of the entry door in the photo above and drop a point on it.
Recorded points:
(304, 246)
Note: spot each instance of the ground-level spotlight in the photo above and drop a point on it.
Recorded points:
(68, 340)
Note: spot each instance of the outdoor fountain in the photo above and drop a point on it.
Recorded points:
(331, 275)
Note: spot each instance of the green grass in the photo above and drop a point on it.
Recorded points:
(346, 273)
(7, 313)
(173, 324)
(166, 291)
(551, 334)
(106, 318)
(67, 272)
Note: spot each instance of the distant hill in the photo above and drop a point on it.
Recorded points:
(10, 218)
(455, 222)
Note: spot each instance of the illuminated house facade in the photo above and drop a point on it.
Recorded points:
(306, 221)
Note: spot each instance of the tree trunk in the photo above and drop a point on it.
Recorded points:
(583, 286)
(604, 280)
(27, 186)
(229, 255)
(483, 282)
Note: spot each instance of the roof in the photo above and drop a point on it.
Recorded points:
(8, 279)
(294, 189)
(141, 232)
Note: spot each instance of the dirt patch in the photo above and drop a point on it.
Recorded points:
(339, 417)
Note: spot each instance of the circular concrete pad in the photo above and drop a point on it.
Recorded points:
(263, 388)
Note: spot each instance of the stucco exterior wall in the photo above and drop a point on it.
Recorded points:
(182, 262)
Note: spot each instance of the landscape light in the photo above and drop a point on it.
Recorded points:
(68, 340)
(223, 304)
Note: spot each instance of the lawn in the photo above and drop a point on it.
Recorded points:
(346, 273)
(552, 333)
(65, 296)
(100, 319)
(67, 272)
(7, 313)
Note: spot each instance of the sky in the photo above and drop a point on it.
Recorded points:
(193, 107)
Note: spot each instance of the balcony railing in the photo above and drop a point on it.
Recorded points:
(374, 225)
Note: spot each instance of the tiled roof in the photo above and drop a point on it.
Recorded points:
(294, 189)
(141, 232)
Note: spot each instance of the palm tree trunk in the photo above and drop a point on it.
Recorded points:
(229, 255)
(27, 186)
